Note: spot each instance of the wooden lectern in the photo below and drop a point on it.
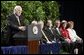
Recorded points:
(34, 35)
(30, 37)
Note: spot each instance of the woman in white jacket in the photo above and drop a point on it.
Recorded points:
(73, 35)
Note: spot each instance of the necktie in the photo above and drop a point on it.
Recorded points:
(51, 30)
(18, 20)
(58, 30)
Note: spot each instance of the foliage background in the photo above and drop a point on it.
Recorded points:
(32, 10)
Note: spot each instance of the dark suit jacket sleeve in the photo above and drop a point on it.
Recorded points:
(11, 23)
(58, 36)
(22, 21)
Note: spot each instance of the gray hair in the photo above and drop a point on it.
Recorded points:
(41, 23)
(16, 8)
(34, 22)
(64, 21)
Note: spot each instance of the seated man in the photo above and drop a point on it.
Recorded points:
(48, 31)
(15, 23)
(44, 38)
(56, 31)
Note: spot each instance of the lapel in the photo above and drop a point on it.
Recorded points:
(16, 20)
(57, 31)
(51, 31)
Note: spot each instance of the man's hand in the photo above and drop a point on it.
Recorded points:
(49, 42)
(22, 28)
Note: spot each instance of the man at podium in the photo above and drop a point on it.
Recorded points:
(15, 23)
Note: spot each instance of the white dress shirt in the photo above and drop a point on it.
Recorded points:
(73, 35)
(58, 30)
(18, 20)
(51, 30)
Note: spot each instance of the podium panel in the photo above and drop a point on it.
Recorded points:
(33, 47)
(30, 37)
(34, 35)
(34, 32)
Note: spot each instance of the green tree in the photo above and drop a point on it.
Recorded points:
(6, 9)
(32, 10)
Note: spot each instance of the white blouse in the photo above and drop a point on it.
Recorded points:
(73, 35)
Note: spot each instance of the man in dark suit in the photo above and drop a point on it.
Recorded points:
(48, 31)
(58, 36)
(56, 31)
(15, 23)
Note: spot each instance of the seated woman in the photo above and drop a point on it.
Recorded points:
(65, 35)
(74, 37)
(64, 32)
(72, 33)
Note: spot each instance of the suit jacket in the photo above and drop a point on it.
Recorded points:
(13, 24)
(57, 35)
(43, 39)
(14, 32)
(48, 33)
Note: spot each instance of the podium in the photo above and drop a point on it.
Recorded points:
(20, 38)
(34, 35)
(30, 37)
